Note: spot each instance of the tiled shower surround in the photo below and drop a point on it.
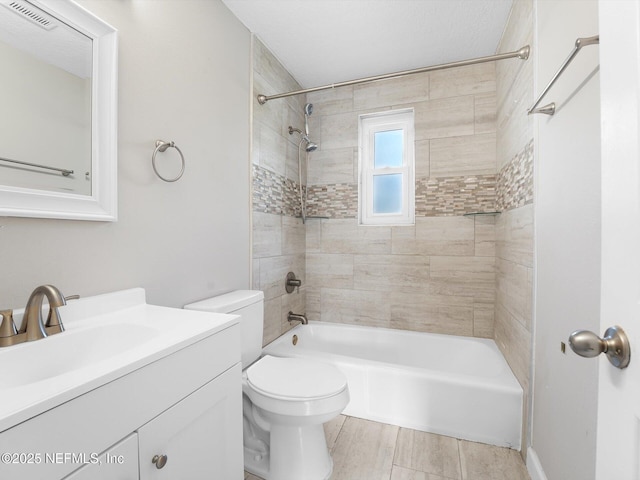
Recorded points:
(448, 273)
(439, 275)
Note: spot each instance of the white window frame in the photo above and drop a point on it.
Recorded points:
(369, 124)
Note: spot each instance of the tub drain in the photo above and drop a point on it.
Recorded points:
(294, 340)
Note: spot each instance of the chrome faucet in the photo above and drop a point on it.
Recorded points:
(296, 317)
(33, 326)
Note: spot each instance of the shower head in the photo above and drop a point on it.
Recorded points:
(308, 109)
(310, 147)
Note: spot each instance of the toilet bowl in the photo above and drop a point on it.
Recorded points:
(285, 400)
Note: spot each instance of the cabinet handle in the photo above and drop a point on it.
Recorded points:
(159, 460)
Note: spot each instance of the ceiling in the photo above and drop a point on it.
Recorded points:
(328, 41)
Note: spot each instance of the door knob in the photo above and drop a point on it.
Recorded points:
(615, 344)
(159, 460)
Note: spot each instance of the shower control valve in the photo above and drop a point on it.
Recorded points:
(291, 283)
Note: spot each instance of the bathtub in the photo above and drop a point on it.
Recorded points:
(456, 386)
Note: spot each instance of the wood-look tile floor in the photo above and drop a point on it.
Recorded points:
(366, 450)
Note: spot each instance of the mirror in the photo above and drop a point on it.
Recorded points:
(58, 150)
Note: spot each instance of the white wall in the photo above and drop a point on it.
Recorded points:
(567, 233)
(184, 70)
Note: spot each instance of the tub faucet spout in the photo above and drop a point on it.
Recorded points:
(296, 317)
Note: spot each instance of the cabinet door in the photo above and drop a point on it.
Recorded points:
(118, 463)
(201, 436)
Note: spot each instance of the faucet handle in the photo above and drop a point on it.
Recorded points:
(54, 322)
(8, 326)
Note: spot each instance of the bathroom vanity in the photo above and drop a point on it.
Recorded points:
(128, 391)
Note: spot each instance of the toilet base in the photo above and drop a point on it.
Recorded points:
(296, 453)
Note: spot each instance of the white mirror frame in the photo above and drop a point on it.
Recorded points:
(102, 204)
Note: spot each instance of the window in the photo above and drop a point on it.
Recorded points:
(386, 167)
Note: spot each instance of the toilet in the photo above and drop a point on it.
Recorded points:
(285, 400)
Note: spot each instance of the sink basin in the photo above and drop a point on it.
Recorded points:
(105, 337)
(68, 351)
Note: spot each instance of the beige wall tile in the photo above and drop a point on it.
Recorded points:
(268, 66)
(514, 342)
(422, 148)
(485, 235)
(271, 114)
(293, 236)
(397, 91)
(485, 113)
(338, 131)
(427, 452)
(364, 451)
(355, 307)
(445, 319)
(386, 273)
(463, 276)
(446, 117)
(479, 460)
(466, 155)
(312, 300)
(272, 320)
(313, 235)
(267, 235)
(255, 274)
(515, 35)
(514, 235)
(514, 125)
(346, 236)
(463, 269)
(332, 101)
(273, 271)
(483, 320)
(292, 302)
(332, 166)
(330, 270)
(473, 79)
(435, 236)
(514, 290)
(291, 163)
(273, 151)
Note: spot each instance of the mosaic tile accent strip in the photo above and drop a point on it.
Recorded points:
(337, 200)
(435, 197)
(515, 181)
(273, 193)
(449, 196)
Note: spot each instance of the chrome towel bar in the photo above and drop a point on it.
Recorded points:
(63, 171)
(550, 108)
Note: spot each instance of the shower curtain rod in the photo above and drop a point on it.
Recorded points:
(522, 54)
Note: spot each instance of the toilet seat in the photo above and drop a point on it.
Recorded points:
(295, 379)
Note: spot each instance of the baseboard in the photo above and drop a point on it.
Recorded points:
(534, 467)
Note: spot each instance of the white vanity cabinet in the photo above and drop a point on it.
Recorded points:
(198, 437)
(184, 403)
(118, 463)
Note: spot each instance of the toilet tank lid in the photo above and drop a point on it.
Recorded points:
(228, 302)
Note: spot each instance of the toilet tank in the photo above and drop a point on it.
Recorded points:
(249, 304)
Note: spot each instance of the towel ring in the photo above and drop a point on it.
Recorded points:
(161, 147)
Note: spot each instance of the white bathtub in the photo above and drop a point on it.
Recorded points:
(456, 386)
